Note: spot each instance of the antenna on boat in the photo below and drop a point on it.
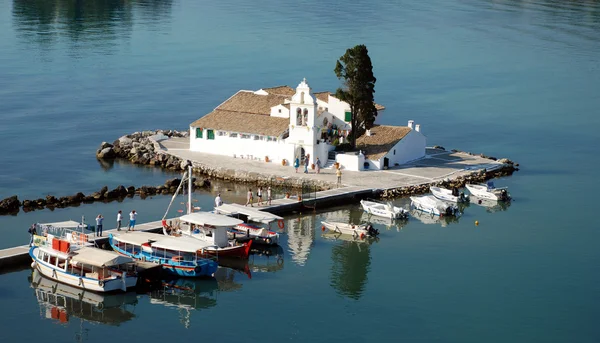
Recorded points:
(189, 204)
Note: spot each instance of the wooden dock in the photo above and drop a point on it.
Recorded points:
(16, 257)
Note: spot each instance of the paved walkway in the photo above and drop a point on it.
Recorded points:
(437, 165)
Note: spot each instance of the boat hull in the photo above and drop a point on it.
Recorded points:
(53, 273)
(446, 195)
(380, 210)
(347, 229)
(483, 192)
(430, 204)
(239, 251)
(245, 232)
(200, 268)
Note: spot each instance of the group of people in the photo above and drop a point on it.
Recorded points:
(259, 195)
(306, 162)
(131, 226)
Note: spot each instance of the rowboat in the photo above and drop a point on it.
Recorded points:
(386, 210)
(429, 204)
(449, 195)
(361, 231)
(489, 191)
(179, 256)
(82, 266)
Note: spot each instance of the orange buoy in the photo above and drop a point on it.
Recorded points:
(323, 228)
(362, 236)
(280, 223)
(477, 223)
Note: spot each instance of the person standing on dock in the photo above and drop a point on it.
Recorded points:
(32, 232)
(339, 176)
(218, 201)
(318, 165)
(259, 195)
(306, 161)
(132, 218)
(99, 221)
(269, 198)
(249, 198)
(119, 219)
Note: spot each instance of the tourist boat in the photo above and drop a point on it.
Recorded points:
(386, 210)
(489, 191)
(358, 231)
(429, 204)
(60, 301)
(448, 195)
(211, 229)
(178, 256)
(83, 267)
(248, 231)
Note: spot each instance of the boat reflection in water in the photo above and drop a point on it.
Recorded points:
(491, 206)
(262, 259)
(186, 295)
(60, 302)
(428, 218)
(351, 264)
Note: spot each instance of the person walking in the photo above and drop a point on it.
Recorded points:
(99, 221)
(132, 218)
(339, 176)
(259, 195)
(32, 232)
(318, 164)
(218, 201)
(296, 163)
(249, 198)
(119, 219)
(269, 196)
(306, 161)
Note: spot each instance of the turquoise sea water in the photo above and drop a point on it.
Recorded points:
(515, 79)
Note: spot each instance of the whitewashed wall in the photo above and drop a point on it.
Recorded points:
(351, 161)
(410, 148)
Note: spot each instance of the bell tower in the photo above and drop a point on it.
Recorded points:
(303, 132)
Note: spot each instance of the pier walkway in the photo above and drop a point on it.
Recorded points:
(435, 166)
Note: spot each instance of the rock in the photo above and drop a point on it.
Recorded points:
(172, 183)
(121, 190)
(97, 196)
(439, 147)
(104, 190)
(125, 141)
(41, 202)
(51, 199)
(10, 205)
(130, 190)
(28, 203)
(133, 151)
(106, 153)
(105, 145)
(88, 198)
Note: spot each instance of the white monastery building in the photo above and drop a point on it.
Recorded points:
(281, 124)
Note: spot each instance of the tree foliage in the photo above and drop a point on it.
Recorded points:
(356, 71)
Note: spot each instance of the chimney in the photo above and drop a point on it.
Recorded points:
(418, 128)
(369, 132)
(410, 124)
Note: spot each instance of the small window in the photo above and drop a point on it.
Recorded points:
(210, 134)
(221, 133)
(257, 138)
(394, 151)
(233, 134)
(198, 133)
(245, 136)
(280, 110)
(348, 117)
(306, 111)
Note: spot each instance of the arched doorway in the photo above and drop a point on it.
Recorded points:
(300, 153)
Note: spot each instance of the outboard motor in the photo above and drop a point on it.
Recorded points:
(372, 231)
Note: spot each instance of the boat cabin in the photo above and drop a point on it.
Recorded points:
(210, 227)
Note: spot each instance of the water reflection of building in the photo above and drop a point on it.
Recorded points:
(60, 302)
(351, 261)
(301, 236)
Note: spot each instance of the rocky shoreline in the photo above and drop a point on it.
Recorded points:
(12, 205)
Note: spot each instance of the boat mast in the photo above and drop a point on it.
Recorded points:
(189, 204)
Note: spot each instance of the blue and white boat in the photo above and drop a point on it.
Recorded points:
(179, 256)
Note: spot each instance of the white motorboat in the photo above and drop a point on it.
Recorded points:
(83, 267)
(248, 231)
(362, 231)
(489, 191)
(386, 210)
(429, 204)
(449, 195)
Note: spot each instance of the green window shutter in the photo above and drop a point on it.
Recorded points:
(210, 134)
(348, 116)
(198, 133)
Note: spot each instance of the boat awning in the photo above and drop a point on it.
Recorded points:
(183, 244)
(69, 224)
(138, 238)
(100, 258)
(210, 219)
(257, 216)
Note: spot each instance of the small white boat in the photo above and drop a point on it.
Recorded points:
(489, 191)
(429, 204)
(386, 210)
(361, 231)
(448, 195)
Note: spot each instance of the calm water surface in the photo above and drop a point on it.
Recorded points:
(515, 79)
